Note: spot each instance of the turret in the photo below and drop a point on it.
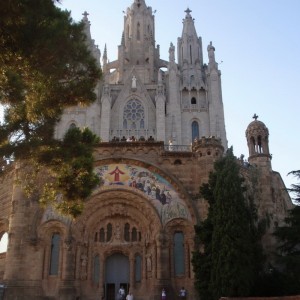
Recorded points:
(257, 135)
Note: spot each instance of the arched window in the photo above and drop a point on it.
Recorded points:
(191, 57)
(126, 232)
(192, 78)
(134, 235)
(109, 232)
(134, 115)
(193, 101)
(138, 268)
(179, 254)
(259, 145)
(96, 269)
(3, 242)
(54, 254)
(102, 235)
(195, 130)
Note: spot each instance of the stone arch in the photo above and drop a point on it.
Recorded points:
(45, 233)
(178, 187)
(118, 206)
(187, 229)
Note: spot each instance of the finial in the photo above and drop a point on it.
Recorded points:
(188, 11)
(255, 116)
(85, 14)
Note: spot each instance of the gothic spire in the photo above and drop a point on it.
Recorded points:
(87, 25)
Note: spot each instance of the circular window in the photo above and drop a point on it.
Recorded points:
(134, 114)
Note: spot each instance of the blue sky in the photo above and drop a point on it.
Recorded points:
(257, 45)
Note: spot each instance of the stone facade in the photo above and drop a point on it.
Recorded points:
(137, 228)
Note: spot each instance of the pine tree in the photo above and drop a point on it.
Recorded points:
(227, 264)
(46, 67)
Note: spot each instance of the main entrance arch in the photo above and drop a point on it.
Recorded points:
(116, 275)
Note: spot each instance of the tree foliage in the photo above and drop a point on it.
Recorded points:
(288, 236)
(45, 68)
(67, 172)
(229, 255)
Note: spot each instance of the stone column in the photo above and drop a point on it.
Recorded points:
(102, 276)
(19, 278)
(132, 271)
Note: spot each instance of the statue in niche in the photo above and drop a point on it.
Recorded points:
(172, 53)
(133, 84)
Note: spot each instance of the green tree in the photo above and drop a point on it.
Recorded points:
(45, 68)
(288, 236)
(229, 255)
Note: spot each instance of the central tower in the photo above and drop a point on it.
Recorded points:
(145, 97)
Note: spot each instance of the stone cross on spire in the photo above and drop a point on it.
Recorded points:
(255, 116)
(188, 11)
(85, 14)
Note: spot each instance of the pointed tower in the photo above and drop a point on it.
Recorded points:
(202, 112)
(257, 135)
(90, 42)
(216, 109)
(138, 42)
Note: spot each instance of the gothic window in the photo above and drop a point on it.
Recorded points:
(191, 54)
(54, 254)
(138, 268)
(193, 101)
(96, 269)
(96, 237)
(192, 79)
(126, 232)
(195, 130)
(102, 235)
(134, 234)
(138, 34)
(3, 242)
(134, 115)
(109, 232)
(179, 254)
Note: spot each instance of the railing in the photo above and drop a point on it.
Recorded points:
(178, 148)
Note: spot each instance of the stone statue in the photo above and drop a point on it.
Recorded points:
(133, 85)
(172, 53)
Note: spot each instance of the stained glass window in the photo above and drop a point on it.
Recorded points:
(134, 115)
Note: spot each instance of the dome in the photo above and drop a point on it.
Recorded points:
(257, 128)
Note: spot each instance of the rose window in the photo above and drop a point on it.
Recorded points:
(133, 115)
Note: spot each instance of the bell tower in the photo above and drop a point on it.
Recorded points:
(257, 135)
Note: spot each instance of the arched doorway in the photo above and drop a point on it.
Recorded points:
(116, 275)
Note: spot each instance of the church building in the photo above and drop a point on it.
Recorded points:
(162, 127)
